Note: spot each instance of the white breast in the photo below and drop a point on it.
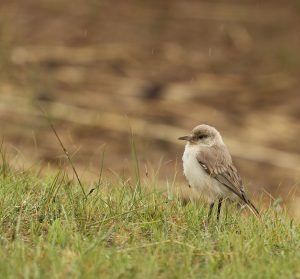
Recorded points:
(197, 177)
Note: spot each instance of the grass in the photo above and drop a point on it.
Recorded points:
(49, 230)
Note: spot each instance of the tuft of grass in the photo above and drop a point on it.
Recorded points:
(48, 231)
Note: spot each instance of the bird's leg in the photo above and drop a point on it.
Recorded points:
(219, 208)
(211, 207)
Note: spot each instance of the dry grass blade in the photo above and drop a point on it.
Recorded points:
(64, 150)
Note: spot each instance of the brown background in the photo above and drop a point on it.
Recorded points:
(102, 68)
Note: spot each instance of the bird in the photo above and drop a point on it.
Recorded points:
(208, 168)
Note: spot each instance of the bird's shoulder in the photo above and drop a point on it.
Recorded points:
(217, 162)
(216, 158)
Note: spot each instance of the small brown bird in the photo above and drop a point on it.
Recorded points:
(208, 167)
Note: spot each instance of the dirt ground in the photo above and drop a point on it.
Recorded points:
(102, 69)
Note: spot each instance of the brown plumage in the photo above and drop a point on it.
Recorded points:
(217, 162)
(209, 168)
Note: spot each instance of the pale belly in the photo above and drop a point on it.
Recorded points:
(199, 180)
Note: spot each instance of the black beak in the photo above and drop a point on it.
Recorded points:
(188, 138)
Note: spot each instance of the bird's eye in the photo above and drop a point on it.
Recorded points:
(202, 136)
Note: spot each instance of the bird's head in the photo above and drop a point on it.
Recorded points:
(203, 135)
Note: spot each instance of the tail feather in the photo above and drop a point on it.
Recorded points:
(252, 207)
(244, 198)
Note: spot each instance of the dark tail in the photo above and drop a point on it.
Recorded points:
(244, 198)
(242, 195)
(250, 205)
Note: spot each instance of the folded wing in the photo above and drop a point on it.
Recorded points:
(217, 162)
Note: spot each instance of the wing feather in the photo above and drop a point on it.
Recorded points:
(217, 162)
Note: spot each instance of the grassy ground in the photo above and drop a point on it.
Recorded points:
(49, 230)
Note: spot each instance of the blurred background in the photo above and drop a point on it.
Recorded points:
(102, 69)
